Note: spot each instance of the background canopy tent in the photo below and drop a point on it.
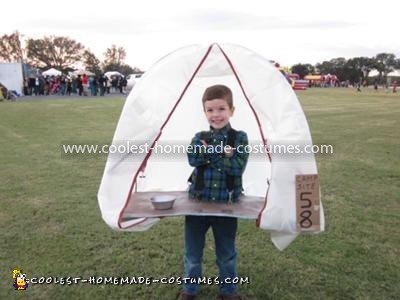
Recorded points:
(373, 73)
(164, 111)
(81, 72)
(394, 73)
(314, 77)
(52, 72)
(113, 73)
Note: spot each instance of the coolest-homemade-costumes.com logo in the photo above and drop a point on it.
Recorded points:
(20, 280)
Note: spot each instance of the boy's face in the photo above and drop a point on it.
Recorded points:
(217, 112)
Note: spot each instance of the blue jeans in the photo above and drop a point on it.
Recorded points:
(224, 230)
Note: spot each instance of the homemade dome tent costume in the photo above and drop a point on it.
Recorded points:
(165, 109)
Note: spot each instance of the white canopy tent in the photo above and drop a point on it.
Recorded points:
(52, 72)
(373, 73)
(165, 108)
(395, 73)
(81, 72)
(113, 73)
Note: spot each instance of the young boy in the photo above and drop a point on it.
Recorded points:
(217, 178)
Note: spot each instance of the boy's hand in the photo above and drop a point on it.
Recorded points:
(204, 143)
(228, 151)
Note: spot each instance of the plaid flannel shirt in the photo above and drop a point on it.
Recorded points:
(217, 165)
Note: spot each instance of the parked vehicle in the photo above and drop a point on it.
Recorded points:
(132, 80)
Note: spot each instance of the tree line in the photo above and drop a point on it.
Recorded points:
(61, 53)
(354, 69)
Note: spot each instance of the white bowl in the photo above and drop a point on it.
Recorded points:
(163, 201)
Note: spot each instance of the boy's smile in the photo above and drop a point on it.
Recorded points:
(217, 112)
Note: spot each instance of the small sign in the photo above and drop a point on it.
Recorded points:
(307, 202)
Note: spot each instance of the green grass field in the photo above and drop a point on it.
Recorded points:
(51, 224)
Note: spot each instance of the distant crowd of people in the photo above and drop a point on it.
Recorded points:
(82, 85)
(392, 86)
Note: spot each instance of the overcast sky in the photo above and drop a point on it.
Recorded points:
(289, 32)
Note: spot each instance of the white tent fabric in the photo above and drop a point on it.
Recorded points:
(165, 107)
(52, 72)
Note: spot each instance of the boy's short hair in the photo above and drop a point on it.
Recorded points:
(218, 91)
